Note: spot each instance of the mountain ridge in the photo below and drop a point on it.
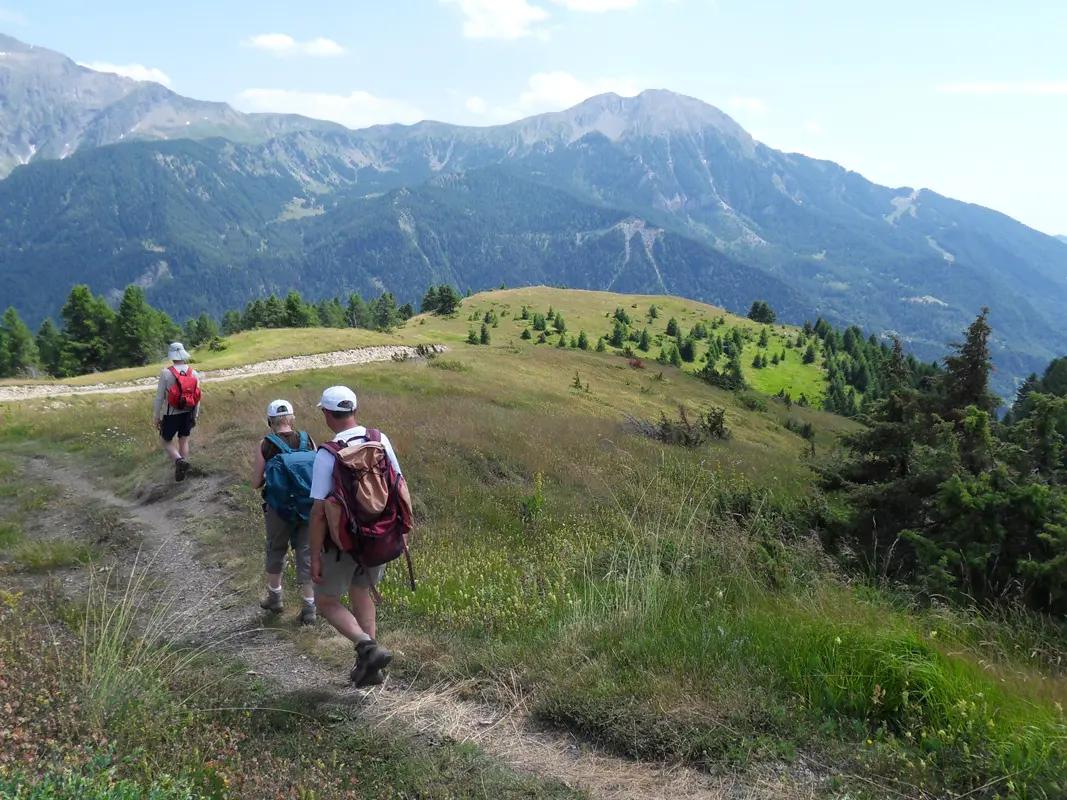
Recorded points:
(895, 260)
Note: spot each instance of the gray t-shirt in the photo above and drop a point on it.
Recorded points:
(166, 379)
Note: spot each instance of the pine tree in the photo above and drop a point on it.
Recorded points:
(809, 354)
(645, 342)
(254, 316)
(472, 336)
(18, 350)
(357, 315)
(757, 362)
(672, 327)
(484, 338)
(583, 341)
(688, 350)
(526, 335)
(134, 339)
(764, 341)
(87, 323)
(448, 300)
(618, 334)
(559, 324)
(383, 312)
(653, 312)
(676, 357)
(430, 302)
(50, 348)
(296, 313)
(525, 313)
(965, 381)
(273, 313)
(562, 341)
(231, 323)
(601, 347)
(539, 322)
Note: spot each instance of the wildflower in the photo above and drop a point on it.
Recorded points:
(837, 640)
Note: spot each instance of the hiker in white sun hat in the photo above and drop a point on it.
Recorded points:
(177, 407)
(337, 572)
(283, 468)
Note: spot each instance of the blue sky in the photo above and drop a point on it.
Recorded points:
(966, 97)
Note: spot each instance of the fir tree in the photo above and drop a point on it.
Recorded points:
(672, 327)
(18, 349)
(50, 348)
(357, 315)
(484, 337)
(809, 354)
(526, 335)
(448, 300)
(135, 337)
(601, 347)
(618, 334)
(645, 341)
(764, 340)
(472, 336)
(430, 302)
(583, 341)
(231, 323)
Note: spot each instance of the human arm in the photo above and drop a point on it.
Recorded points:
(196, 408)
(317, 535)
(161, 398)
(259, 468)
(392, 455)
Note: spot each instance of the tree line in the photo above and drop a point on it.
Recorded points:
(93, 336)
(941, 495)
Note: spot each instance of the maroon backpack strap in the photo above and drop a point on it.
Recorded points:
(374, 435)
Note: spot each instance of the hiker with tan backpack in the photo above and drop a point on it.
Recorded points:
(177, 407)
(359, 523)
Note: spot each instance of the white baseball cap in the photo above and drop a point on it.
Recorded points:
(338, 398)
(177, 352)
(279, 408)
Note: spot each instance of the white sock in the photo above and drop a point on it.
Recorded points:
(309, 600)
(274, 591)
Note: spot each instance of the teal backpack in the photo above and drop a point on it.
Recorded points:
(287, 487)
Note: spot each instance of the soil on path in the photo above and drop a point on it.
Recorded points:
(338, 358)
(162, 512)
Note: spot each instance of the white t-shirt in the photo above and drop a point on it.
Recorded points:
(322, 476)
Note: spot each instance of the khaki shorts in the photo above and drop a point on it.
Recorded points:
(281, 534)
(339, 575)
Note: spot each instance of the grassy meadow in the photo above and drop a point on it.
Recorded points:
(666, 603)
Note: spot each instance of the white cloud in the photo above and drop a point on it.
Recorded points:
(476, 105)
(500, 19)
(137, 72)
(9, 17)
(596, 6)
(283, 45)
(811, 126)
(355, 110)
(749, 104)
(553, 91)
(1005, 87)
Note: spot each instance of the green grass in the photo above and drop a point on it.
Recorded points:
(682, 594)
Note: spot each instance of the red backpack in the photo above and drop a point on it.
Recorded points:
(368, 509)
(184, 393)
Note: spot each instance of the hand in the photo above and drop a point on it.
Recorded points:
(158, 424)
(316, 568)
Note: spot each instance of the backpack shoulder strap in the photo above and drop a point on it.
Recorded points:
(174, 371)
(332, 446)
(303, 441)
(374, 435)
(279, 442)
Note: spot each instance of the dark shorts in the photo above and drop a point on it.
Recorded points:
(180, 425)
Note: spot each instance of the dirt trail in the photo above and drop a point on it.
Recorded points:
(338, 358)
(437, 713)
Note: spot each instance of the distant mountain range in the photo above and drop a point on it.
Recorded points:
(207, 207)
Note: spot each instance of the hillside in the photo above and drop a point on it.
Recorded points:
(683, 590)
(717, 210)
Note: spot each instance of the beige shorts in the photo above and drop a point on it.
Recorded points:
(340, 574)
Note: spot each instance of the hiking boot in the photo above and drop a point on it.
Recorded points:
(181, 469)
(371, 657)
(375, 678)
(308, 615)
(272, 602)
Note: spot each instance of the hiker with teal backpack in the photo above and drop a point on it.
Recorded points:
(283, 469)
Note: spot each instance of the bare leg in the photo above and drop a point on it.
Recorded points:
(341, 618)
(171, 450)
(274, 581)
(309, 590)
(183, 447)
(363, 608)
